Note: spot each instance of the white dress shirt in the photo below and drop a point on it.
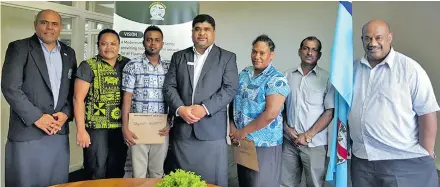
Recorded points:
(310, 96)
(386, 102)
(199, 61)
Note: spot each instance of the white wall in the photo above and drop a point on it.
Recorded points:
(287, 23)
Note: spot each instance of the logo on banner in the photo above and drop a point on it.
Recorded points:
(157, 11)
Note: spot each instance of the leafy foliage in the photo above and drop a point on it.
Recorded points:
(181, 178)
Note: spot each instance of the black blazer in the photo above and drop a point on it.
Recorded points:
(216, 87)
(26, 87)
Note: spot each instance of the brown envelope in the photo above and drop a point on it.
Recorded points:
(147, 126)
(245, 154)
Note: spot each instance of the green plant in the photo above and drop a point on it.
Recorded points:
(181, 178)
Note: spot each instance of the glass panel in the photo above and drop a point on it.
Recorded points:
(91, 37)
(92, 25)
(86, 49)
(67, 23)
(68, 3)
(101, 26)
(103, 7)
(66, 33)
(95, 43)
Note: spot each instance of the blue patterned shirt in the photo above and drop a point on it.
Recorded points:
(250, 102)
(145, 81)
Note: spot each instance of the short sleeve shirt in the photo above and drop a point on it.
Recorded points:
(250, 102)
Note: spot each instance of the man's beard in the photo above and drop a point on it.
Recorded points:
(149, 53)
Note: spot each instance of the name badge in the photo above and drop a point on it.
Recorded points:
(69, 74)
(190, 63)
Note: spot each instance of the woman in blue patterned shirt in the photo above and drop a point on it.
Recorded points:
(257, 115)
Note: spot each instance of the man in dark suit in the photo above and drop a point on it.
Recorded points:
(201, 81)
(37, 83)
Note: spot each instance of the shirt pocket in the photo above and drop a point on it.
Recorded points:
(394, 102)
(394, 93)
(315, 97)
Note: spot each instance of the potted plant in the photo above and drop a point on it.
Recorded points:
(181, 178)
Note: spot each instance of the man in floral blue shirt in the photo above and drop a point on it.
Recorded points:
(257, 114)
(142, 82)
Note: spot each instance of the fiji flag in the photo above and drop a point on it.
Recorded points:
(341, 77)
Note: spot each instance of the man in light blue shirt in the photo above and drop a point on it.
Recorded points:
(393, 120)
(37, 84)
(54, 68)
(257, 115)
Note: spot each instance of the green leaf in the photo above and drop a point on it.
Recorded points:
(182, 178)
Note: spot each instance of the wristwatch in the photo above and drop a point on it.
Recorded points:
(308, 138)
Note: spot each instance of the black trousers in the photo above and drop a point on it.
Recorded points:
(105, 157)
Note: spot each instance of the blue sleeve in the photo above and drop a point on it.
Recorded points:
(277, 85)
(128, 78)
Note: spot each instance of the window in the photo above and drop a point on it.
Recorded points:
(67, 3)
(66, 33)
(91, 37)
(103, 7)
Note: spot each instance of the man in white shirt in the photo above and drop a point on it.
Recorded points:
(309, 110)
(393, 120)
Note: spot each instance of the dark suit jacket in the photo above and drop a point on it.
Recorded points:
(26, 87)
(215, 89)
